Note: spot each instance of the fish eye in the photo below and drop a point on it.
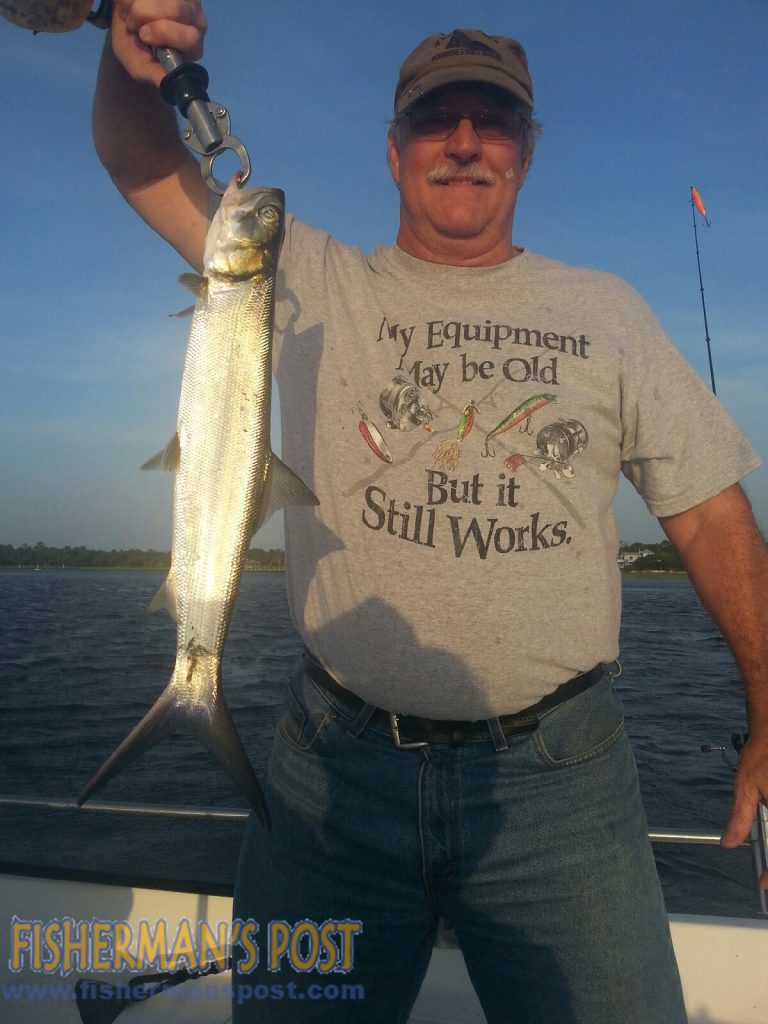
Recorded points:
(269, 215)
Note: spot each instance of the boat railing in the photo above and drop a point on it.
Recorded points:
(757, 842)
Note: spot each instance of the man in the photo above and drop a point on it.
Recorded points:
(462, 408)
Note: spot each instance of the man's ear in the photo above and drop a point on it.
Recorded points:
(393, 157)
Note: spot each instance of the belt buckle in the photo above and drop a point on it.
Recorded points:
(395, 730)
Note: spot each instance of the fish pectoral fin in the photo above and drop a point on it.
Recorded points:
(188, 311)
(168, 459)
(196, 284)
(166, 598)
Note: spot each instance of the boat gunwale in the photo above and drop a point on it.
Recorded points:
(124, 880)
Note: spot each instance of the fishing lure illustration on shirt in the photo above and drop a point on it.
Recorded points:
(520, 414)
(447, 453)
(372, 437)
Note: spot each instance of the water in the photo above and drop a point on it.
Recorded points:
(81, 662)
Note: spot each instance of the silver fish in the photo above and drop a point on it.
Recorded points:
(225, 475)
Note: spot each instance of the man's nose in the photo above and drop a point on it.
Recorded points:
(464, 142)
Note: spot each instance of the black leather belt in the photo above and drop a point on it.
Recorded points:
(412, 731)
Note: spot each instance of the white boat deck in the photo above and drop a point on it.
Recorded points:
(723, 961)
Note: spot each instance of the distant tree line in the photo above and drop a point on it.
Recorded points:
(45, 557)
(661, 557)
(267, 561)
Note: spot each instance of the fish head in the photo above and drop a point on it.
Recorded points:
(245, 234)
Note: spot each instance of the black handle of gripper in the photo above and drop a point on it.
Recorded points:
(182, 85)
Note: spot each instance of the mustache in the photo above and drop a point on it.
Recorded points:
(443, 173)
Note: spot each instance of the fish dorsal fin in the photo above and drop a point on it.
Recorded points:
(166, 598)
(281, 488)
(196, 284)
(168, 459)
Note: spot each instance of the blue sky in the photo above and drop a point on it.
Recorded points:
(638, 103)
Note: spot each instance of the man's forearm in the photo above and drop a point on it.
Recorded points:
(727, 561)
(137, 139)
(134, 129)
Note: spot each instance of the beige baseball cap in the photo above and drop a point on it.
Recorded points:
(464, 55)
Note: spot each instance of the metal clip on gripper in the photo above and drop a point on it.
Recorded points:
(207, 125)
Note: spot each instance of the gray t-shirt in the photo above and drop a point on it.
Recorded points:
(463, 429)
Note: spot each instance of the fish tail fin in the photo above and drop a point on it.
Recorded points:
(156, 724)
(221, 737)
(212, 724)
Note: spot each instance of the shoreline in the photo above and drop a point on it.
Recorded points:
(653, 574)
(643, 574)
(103, 568)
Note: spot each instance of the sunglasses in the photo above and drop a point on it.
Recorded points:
(489, 125)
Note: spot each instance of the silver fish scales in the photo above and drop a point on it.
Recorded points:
(226, 474)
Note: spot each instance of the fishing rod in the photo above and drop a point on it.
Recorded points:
(696, 204)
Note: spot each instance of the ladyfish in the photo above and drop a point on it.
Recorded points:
(226, 474)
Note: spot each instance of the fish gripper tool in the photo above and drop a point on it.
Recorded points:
(206, 129)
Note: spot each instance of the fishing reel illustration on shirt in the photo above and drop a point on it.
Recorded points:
(403, 408)
(402, 405)
(558, 444)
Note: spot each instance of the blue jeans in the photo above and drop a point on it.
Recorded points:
(537, 854)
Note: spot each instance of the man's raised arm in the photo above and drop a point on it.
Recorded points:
(135, 131)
